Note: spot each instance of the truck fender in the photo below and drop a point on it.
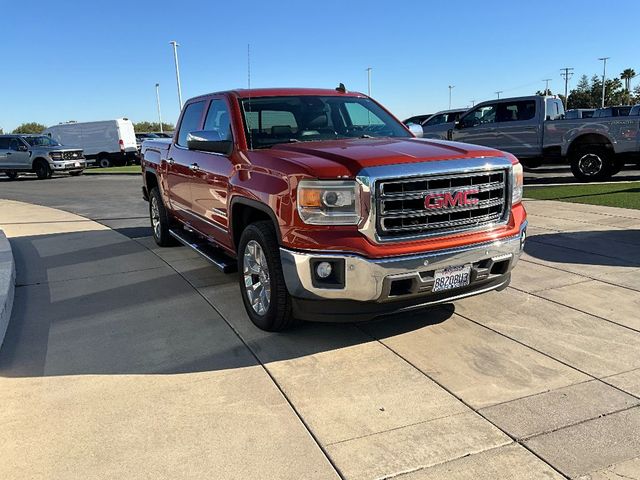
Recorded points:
(239, 200)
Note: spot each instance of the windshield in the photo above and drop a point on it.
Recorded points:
(270, 121)
(41, 141)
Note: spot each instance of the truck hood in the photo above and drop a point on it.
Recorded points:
(347, 157)
(61, 148)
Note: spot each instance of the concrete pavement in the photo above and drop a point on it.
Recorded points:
(126, 360)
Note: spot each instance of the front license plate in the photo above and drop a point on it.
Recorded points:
(451, 277)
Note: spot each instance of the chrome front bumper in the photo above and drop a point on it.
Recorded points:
(370, 280)
(65, 165)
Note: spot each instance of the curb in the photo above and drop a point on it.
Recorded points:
(7, 284)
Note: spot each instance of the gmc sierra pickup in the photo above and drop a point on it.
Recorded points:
(330, 208)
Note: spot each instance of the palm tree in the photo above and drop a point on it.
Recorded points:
(627, 75)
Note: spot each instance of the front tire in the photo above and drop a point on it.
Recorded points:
(262, 286)
(42, 169)
(75, 174)
(592, 164)
(160, 219)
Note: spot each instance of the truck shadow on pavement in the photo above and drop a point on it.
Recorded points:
(95, 302)
(619, 248)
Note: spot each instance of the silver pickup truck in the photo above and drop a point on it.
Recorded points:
(38, 154)
(535, 130)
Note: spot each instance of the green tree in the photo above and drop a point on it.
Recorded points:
(626, 76)
(580, 97)
(588, 93)
(145, 127)
(30, 127)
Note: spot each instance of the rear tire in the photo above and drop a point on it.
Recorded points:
(41, 169)
(592, 164)
(262, 285)
(160, 219)
(104, 161)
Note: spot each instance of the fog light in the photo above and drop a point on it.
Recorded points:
(323, 269)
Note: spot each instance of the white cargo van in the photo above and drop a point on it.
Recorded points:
(107, 143)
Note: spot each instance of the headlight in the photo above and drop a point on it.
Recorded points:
(55, 155)
(327, 202)
(517, 180)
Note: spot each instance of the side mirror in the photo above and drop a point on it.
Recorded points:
(209, 141)
(22, 148)
(416, 129)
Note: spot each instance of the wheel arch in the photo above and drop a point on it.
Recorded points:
(589, 139)
(245, 211)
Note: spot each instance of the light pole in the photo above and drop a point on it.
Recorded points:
(451, 87)
(498, 93)
(604, 75)
(175, 58)
(369, 81)
(158, 102)
(546, 88)
(473, 103)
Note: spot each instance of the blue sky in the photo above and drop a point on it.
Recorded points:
(79, 60)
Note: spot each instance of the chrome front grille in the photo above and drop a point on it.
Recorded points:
(440, 204)
(70, 155)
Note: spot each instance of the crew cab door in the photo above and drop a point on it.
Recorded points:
(18, 154)
(179, 160)
(519, 127)
(210, 176)
(5, 159)
(477, 126)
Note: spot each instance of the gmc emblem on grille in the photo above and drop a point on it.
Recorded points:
(435, 201)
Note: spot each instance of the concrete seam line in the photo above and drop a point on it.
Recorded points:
(7, 286)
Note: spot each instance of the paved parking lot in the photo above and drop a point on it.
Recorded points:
(123, 360)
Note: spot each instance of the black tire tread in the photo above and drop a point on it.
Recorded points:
(165, 240)
(279, 316)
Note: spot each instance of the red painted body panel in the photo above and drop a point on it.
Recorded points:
(270, 176)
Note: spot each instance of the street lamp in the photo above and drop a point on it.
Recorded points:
(369, 81)
(498, 93)
(451, 87)
(158, 102)
(604, 75)
(175, 58)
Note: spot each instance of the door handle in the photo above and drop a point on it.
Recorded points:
(194, 167)
(171, 161)
(9, 153)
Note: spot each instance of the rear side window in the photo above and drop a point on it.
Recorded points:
(218, 119)
(4, 143)
(190, 121)
(516, 111)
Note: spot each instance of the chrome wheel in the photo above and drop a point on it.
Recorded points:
(257, 282)
(590, 164)
(155, 217)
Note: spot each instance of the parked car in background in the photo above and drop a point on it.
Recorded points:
(579, 113)
(107, 143)
(618, 111)
(417, 119)
(534, 129)
(440, 123)
(141, 137)
(38, 154)
(164, 134)
(329, 207)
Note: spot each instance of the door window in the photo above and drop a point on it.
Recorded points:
(516, 111)
(436, 120)
(190, 121)
(480, 116)
(13, 144)
(218, 119)
(4, 143)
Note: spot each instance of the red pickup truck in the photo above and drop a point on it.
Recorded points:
(330, 208)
